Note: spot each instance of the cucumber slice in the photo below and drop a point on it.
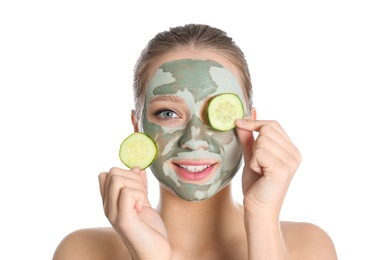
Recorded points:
(223, 110)
(138, 150)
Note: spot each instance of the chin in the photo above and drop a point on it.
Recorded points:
(197, 193)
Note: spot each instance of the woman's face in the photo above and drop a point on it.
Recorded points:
(194, 160)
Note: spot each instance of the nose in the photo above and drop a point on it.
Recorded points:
(194, 136)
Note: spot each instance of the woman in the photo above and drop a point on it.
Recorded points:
(177, 74)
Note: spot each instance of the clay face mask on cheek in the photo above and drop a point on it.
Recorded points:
(195, 161)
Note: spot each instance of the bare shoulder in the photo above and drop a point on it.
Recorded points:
(91, 243)
(308, 241)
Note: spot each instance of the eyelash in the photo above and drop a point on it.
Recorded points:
(159, 112)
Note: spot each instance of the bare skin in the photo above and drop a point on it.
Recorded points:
(303, 241)
(216, 228)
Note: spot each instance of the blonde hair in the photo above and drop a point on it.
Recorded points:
(198, 36)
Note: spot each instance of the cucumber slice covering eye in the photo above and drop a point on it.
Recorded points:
(223, 111)
(138, 150)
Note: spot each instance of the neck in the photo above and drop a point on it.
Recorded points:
(199, 224)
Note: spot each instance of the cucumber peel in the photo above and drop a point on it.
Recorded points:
(138, 150)
(223, 111)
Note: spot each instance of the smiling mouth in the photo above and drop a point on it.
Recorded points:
(199, 173)
(194, 168)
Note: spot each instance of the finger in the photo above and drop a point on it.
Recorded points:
(116, 181)
(102, 183)
(144, 179)
(272, 166)
(247, 141)
(268, 153)
(106, 200)
(121, 172)
(130, 203)
(274, 138)
(117, 184)
(256, 125)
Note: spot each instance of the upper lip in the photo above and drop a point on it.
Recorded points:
(198, 165)
(194, 168)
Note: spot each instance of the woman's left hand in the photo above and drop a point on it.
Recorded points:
(271, 161)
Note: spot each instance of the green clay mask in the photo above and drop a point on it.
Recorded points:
(194, 160)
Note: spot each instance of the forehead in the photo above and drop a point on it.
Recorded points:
(198, 54)
(200, 77)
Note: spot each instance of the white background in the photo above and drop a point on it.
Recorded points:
(321, 68)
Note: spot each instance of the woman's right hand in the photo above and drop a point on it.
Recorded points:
(126, 205)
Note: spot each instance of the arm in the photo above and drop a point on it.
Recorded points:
(265, 239)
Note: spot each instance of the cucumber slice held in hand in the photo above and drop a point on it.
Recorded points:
(223, 111)
(138, 150)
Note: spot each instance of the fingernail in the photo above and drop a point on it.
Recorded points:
(241, 121)
(136, 170)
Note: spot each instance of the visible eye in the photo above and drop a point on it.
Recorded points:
(166, 114)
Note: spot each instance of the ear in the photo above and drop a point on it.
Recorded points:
(134, 121)
(254, 113)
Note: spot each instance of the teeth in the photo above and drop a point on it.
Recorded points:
(193, 168)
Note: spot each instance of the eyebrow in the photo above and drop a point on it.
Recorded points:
(174, 99)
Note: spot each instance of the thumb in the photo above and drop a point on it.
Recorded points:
(144, 178)
(145, 182)
(246, 139)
